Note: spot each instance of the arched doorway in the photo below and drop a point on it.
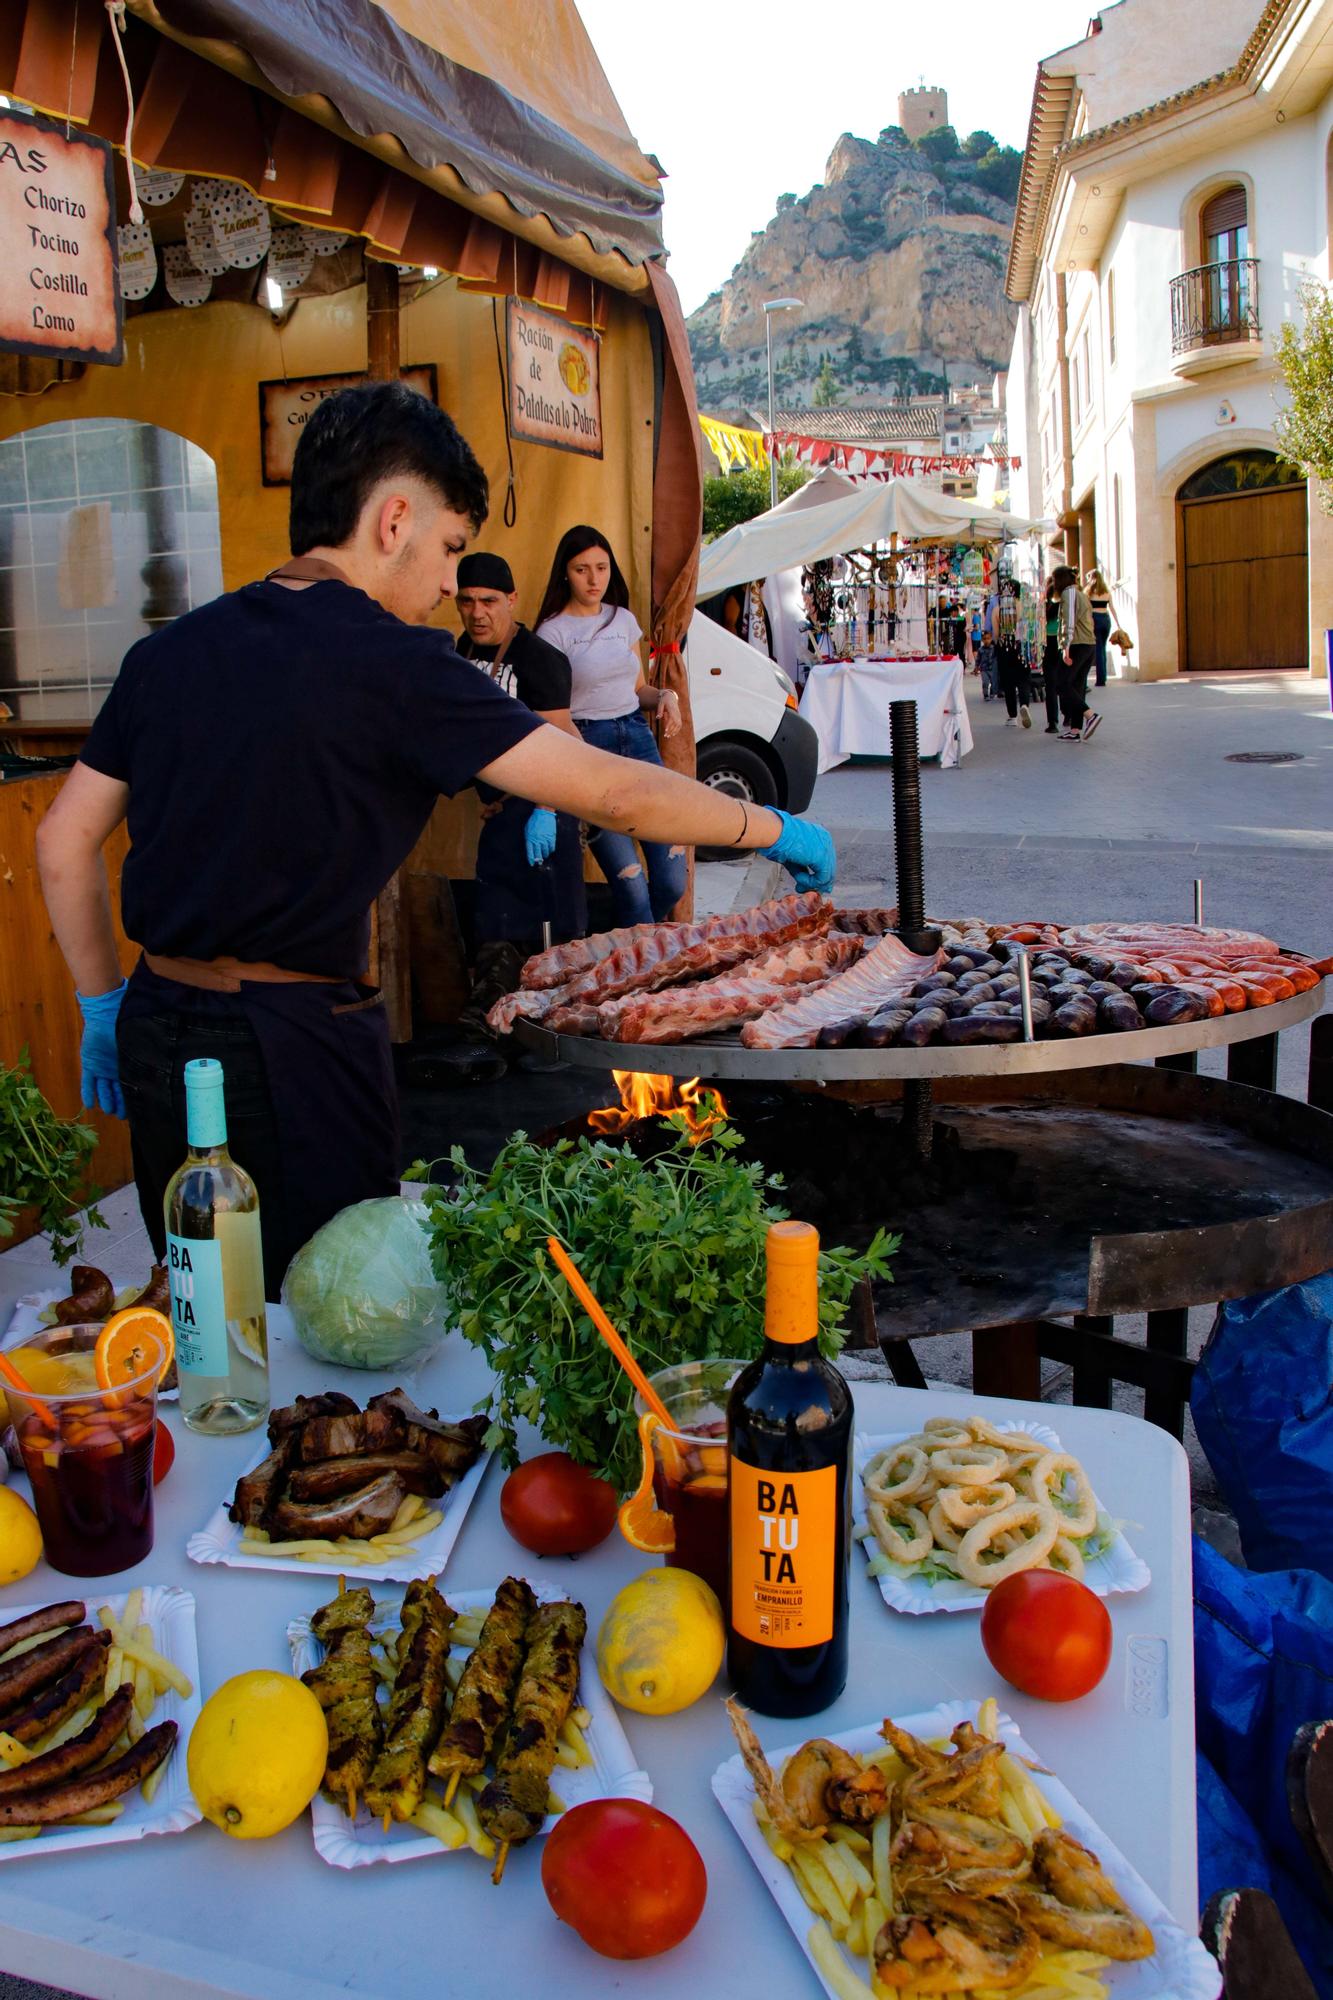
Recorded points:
(1241, 544)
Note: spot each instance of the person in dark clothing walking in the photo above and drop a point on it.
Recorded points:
(1051, 664)
(1099, 597)
(1002, 623)
(1078, 653)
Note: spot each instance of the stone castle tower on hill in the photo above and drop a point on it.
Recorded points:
(920, 110)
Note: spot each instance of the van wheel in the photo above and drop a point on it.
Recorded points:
(742, 774)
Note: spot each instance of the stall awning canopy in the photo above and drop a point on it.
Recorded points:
(793, 534)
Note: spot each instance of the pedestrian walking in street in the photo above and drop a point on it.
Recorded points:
(1051, 663)
(1077, 653)
(585, 613)
(1099, 597)
(1002, 623)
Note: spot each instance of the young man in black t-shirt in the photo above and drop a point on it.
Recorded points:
(276, 755)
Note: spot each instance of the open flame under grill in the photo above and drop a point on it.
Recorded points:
(699, 1107)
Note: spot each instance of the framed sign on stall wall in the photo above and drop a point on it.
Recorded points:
(555, 384)
(285, 409)
(60, 296)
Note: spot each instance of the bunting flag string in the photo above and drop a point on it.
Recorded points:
(886, 463)
(732, 446)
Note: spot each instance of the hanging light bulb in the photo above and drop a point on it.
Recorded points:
(273, 293)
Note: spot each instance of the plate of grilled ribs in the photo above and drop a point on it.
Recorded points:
(382, 1490)
(458, 1722)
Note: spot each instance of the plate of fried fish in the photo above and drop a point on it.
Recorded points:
(383, 1491)
(937, 1854)
(455, 1723)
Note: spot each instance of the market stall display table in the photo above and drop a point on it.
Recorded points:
(198, 1915)
(847, 705)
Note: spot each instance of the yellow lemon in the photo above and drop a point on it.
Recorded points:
(257, 1754)
(20, 1537)
(661, 1642)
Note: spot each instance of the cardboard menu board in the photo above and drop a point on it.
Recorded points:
(60, 297)
(285, 409)
(555, 385)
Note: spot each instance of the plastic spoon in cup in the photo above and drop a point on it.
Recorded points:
(16, 1381)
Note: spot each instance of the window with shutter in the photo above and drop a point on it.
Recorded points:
(1223, 225)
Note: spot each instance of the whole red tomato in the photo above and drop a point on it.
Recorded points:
(629, 1879)
(557, 1508)
(164, 1452)
(1047, 1634)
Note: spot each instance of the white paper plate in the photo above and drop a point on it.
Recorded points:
(357, 1843)
(219, 1540)
(1179, 1969)
(1116, 1572)
(26, 1319)
(169, 1613)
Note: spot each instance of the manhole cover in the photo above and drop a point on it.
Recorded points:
(1265, 757)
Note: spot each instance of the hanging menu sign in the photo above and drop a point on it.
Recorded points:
(60, 297)
(285, 408)
(555, 388)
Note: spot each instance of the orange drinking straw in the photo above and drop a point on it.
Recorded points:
(569, 1270)
(16, 1381)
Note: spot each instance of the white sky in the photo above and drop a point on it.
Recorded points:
(742, 100)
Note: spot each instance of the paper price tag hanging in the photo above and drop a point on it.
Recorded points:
(199, 238)
(187, 285)
(138, 260)
(290, 258)
(156, 188)
(241, 228)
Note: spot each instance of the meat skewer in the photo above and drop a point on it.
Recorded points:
(513, 1805)
(93, 1788)
(416, 1706)
(345, 1687)
(485, 1694)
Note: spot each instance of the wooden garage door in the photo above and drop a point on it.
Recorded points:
(1246, 588)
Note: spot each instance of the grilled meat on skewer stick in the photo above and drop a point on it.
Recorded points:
(416, 1706)
(485, 1694)
(513, 1805)
(344, 1685)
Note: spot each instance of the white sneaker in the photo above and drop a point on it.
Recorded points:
(1090, 722)
(1011, 722)
(1023, 715)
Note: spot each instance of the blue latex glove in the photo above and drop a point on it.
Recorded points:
(100, 1082)
(539, 836)
(806, 851)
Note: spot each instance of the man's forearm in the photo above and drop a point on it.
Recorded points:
(79, 905)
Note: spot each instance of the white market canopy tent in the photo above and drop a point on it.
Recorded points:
(803, 530)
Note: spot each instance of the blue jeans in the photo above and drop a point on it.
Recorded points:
(1101, 632)
(636, 901)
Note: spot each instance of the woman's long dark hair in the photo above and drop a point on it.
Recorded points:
(577, 542)
(1064, 576)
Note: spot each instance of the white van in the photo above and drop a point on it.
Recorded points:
(749, 739)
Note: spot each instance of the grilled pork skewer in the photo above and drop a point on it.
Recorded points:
(485, 1694)
(416, 1706)
(513, 1805)
(345, 1687)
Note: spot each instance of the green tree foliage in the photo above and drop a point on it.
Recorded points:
(826, 386)
(1305, 356)
(940, 143)
(978, 144)
(854, 353)
(738, 496)
(998, 172)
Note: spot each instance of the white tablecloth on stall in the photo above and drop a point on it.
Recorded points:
(848, 707)
(196, 1915)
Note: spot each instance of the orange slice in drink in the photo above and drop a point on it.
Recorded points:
(641, 1520)
(126, 1345)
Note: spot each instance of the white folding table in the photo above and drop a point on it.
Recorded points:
(198, 1915)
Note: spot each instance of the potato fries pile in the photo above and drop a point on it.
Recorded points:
(412, 1521)
(848, 1879)
(132, 1658)
(962, 1499)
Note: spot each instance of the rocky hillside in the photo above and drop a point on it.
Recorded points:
(899, 255)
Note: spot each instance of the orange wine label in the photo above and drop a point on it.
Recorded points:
(783, 1539)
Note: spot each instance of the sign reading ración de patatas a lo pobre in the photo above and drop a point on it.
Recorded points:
(60, 295)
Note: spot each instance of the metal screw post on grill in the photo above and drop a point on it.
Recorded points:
(1198, 901)
(1024, 990)
(909, 861)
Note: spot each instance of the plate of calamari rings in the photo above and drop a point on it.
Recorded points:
(947, 1512)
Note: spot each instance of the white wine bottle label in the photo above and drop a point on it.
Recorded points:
(198, 1305)
(783, 1539)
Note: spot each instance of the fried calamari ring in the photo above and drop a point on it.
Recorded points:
(946, 1535)
(896, 1474)
(944, 1433)
(969, 1465)
(1016, 1443)
(964, 1506)
(904, 1535)
(1066, 1557)
(1039, 1527)
(1045, 1482)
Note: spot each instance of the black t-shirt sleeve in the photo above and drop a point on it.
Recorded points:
(542, 675)
(106, 747)
(458, 721)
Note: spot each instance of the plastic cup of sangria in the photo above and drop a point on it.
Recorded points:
(690, 1464)
(87, 1451)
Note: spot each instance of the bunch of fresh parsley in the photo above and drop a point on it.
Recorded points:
(673, 1248)
(43, 1161)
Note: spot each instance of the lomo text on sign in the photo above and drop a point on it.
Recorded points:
(285, 408)
(555, 384)
(60, 296)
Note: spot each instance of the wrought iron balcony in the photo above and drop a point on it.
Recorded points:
(1215, 305)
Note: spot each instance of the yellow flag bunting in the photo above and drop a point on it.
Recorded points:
(732, 446)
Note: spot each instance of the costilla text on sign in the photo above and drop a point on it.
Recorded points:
(61, 293)
(555, 384)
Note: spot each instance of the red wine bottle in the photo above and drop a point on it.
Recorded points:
(789, 1436)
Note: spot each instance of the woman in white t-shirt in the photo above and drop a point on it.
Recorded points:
(586, 613)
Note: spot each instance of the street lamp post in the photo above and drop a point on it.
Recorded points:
(772, 306)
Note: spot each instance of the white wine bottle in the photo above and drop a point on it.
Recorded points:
(216, 1267)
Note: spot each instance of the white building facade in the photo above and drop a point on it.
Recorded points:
(1175, 199)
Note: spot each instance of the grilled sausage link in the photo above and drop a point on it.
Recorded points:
(50, 1618)
(54, 1767)
(95, 1788)
(45, 1663)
